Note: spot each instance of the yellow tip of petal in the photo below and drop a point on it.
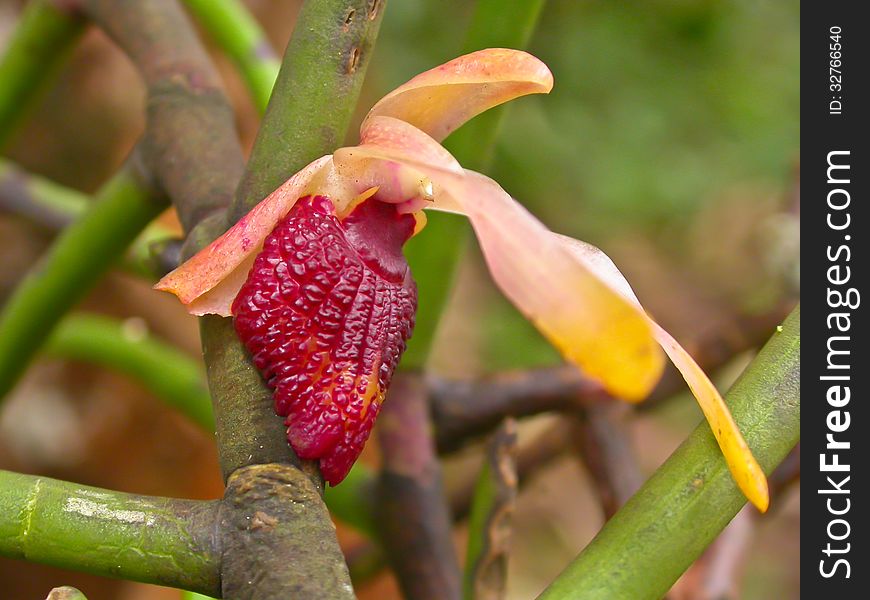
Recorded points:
(744, 468)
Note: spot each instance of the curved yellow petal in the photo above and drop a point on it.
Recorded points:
(438, 101)
(742, 464)
(209, 281)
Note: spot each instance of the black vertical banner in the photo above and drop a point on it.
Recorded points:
(835, 428)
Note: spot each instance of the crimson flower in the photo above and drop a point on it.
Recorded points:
(323, 298)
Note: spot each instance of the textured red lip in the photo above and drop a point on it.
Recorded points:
(326, 312)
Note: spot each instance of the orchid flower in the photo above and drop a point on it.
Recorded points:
(323, 298)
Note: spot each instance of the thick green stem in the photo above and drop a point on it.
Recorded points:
(307, 117)
(179, 381)
(167, 373)
(140, 538)
(38, 46)
(237, 33)
(315, 94)
(73, 264)
(678, 512)
(434, 254)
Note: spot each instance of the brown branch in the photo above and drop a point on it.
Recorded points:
(464, 409)
(413, 518)
(278, 537)
(490, 527)
(367, 558)
(190, 141)
(604, 443)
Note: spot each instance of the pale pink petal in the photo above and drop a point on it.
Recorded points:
(441, 99)
(382, 160)
(591, 324)
(208, 282)
(742, 464)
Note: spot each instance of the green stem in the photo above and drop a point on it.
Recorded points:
(307, 117)
(39, 199)
(141, 538)
(194, 596)
(55, 206)
(238, 34)
(170, 375)
(178, 381)
(40, 42)
(434, 254)
(648, 544)
(315, 94)
(70, 268)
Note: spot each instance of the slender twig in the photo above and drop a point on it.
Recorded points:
(167, 373)
(40, 200)
(692, 497)
(39, 44)
(489, 526)
(413, 518)
(53, 207)
(141, 538)
(464, 409)
(367, 559)
(238, 34)
(73, 264)
(604, 442)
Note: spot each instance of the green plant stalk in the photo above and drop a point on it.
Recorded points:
(70, 268)
(55, 206)
(170, 375)
(194, 596)
(435, 253)
(38, 198)
(308, 115)
(179, 381)
(39, 44)
(139, 538)
(238, 34)
(314, 96)
(690, 499)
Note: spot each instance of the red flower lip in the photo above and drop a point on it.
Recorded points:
(325, 313)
